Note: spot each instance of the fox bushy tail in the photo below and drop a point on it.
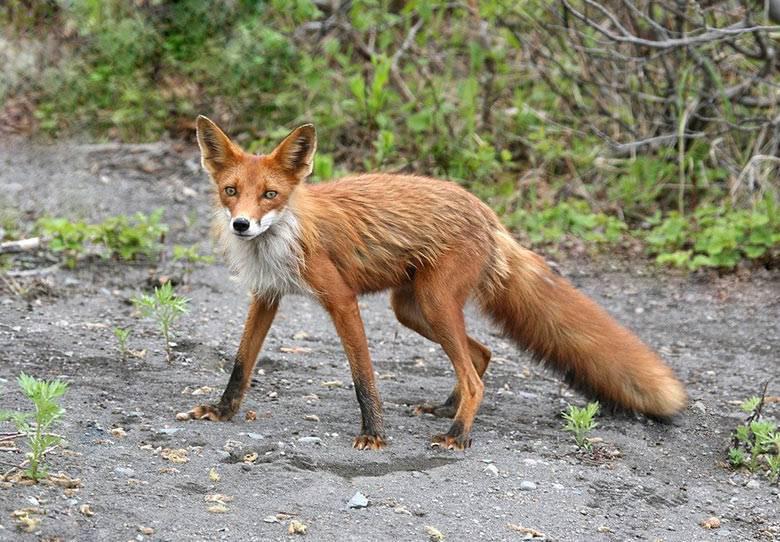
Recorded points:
(545, 314)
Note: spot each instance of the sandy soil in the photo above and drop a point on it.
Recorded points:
(649, 481)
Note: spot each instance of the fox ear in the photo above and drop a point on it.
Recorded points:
(216, 150)
(296, 153)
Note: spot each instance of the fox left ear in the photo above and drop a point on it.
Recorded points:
(296, 153)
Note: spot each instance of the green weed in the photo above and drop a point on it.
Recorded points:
(122, 237)
(165, 307)
(579, 422)
(122, 335)
(756, 443)
(35, 426)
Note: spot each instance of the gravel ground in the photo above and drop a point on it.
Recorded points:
(646, 481)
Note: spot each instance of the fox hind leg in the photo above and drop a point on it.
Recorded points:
(408, 312)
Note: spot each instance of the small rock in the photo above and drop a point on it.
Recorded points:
(145, 530)
(300, 336)
(527, 485)
(311, 418)
(310, 440)
(698, 405)
(358, 500)
(86, 510)
(124, 471)
(492, 469)
(271, 519)
(753, 484)
(168, 430)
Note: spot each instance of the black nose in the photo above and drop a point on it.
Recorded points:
(240, 225)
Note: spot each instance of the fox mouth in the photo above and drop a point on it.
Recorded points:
(246, 236)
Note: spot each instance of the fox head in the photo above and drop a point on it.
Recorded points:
(255, 189)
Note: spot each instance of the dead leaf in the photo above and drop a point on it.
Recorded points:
(434, 534)
(168, 470)
(175, 455)
(213, 475)
(218, 498)
(25, 519)
(86, 510)
(203, 390)
(63, 480)
(145, 530)
(333, 384)
(710, 523)
(250, 415)
(311, 418)
(295, 349)
(250, 458)
(527, 531)
(119, 432)
(296, 527)
(218, 509)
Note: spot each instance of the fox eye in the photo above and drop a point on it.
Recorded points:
(270, 194)
(230, 191)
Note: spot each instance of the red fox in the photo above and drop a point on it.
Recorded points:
(434, 246)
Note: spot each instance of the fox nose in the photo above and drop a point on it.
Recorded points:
(240, 224)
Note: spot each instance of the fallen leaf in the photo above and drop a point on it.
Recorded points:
(311, 418)
(333, 384)
(145, 530)
(271, 519)
(63, 480)
(250, 415)
(218, 498)
(434, 534)
(218, 509)
(203, 390)
(119, 432)
(710, 523)
(213, 475)
(169, 470)
(86, 510)
(296, 527)
(175, 455)
(295, 349)
(250, 458)
(527, 531)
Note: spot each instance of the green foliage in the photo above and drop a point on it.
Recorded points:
(35, 426)
(119, 236)
(482, 98)
(130, 237)
(190, 256)
(121, 337)
(756, 443)
(165, 307)
(579, 422)
(718, 237)
(66, 237)
(571, 217)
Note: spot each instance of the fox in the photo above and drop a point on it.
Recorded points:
(435, 246)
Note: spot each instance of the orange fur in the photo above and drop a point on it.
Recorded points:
(435, 245)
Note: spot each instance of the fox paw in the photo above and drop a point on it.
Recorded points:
(449, 442)
(369, 442)
(215, 413)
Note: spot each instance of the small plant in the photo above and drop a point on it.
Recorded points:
(128, 238)
(579, 421)
(44, 395)
(756, 443)
(165, 307)
(122, 335)
(119, 236)
(66, 237)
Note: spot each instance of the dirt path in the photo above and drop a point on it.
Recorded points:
(659, 483)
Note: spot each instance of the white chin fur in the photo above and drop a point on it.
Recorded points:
(269, 265)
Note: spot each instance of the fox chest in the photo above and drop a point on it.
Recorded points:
(268, 266)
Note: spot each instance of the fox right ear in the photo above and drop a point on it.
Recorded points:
(216, 150)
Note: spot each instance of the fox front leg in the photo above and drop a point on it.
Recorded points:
(258, 322)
